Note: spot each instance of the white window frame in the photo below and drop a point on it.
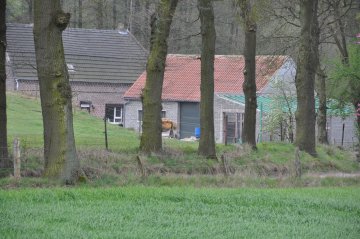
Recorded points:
(120, 118)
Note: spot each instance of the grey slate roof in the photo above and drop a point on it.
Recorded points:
(97, 55)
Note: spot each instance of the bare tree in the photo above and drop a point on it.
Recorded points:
(5, 163)
(59, 145)
(151, 140)
(305, 77)
(208, 34)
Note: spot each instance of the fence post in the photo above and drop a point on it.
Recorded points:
(297, 163)
(17, 161)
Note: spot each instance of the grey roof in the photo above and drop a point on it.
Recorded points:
(97, 55)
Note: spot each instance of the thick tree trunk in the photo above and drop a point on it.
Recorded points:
(207, 138)
(249, 85)
(151, 140)
(305, 77)
(80, 18)
(321, 116)
(59, 145)
(5, 164)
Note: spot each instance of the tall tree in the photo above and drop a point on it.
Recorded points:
(249, 85)
(4, 157)
(208, 36)
(59, 145)
(305, 77)
(151, 140)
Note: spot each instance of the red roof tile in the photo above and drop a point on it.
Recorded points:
(182, 76)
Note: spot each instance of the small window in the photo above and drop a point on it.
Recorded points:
(70, 67)
(114, 114)
(140, 115)
(87, 105)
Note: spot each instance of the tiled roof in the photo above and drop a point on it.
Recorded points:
(182, 76)
(97, 55)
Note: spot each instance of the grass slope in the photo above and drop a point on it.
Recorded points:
(137, 212)
(25, 122)
(120, 167)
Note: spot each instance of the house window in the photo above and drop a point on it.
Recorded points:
(86, 105)
(140, 115)
(114, 114)
(71, 67)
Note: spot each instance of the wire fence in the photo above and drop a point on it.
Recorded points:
(27, 160)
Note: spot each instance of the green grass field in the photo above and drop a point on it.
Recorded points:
(138, 212)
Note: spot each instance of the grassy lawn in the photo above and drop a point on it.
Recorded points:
(138, 212)
(270, 166)
(25, 122)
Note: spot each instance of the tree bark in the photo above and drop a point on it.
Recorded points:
(322, 114)
(305, 77)
(151, 139)
(208, 35)
(80, 17)
(249, 85)
(114, 15)
(59, 145)
(100, 14)
(5, 164)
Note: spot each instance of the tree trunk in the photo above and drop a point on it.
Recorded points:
(114, 15)
(100, 14)
(5, 164)
(151, 140)
(80, 14)
(208, 36)
(321, 116)
(249, 85)
(30, 10)
(305, 77)
(59, 145)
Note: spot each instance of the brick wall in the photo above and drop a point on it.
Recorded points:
(99, 94)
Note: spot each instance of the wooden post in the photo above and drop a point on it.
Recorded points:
(226, 170)
(106, 138)
(17, 161)
(297, 163)
(342, 135)
(141, 166)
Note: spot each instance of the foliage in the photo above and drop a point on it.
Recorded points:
(138, 212)
(344, 80)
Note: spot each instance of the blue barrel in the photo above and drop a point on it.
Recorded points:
(197, 133)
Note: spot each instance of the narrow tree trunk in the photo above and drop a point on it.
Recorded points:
(305, 78)
(30, 10)
(249, 85)
(114, 16)
(321, 116)
(59, 145)
(80, 24)
(100, 14)
(151, 140)
(5, 164)
(208, 35)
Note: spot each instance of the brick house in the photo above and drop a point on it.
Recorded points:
(181, 89)
(102, 65)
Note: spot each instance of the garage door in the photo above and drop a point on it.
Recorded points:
(189, 119)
